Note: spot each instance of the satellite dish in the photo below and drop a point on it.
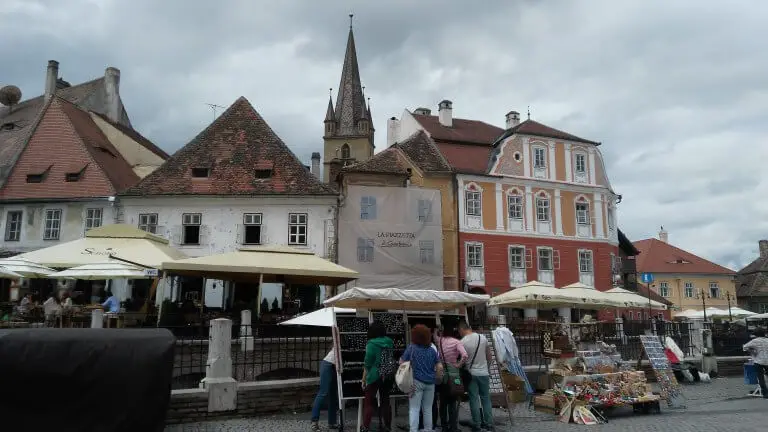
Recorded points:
(10, 95)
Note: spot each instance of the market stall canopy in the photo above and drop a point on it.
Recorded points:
(400, 299)
(7, 274)
(319, 318)
(631, 299)
(534, 294)
(758, 317)
(739, 312)
(279, 264)
(697, 314)
(120, 241)
(593, 298)
(112, 269)
(26, 267)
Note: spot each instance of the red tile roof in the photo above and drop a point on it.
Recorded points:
(385, 162)
(424, 153)
(234, 146)
(461, 131)
(531, 127)
(466, 158)
(657, 256)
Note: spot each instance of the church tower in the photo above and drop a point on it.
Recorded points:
(349, 131)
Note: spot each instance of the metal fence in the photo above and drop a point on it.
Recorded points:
(728, 340)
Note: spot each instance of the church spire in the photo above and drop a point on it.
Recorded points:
(329, 114)
(350, 102)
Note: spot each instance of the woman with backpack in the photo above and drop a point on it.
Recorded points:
(377, 378)
(453, 356)
(425, 366)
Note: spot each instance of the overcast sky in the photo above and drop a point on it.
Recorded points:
(677, 92)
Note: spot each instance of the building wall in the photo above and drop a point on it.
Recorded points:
(360, 150)
(676, 287)
(393, 227)
(222, 220)
(73, 215)
(566, 268)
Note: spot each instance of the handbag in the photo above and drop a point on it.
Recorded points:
(452, 377)
(466, 375)
(404, 377)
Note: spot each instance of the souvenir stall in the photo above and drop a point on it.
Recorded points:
(398, 310)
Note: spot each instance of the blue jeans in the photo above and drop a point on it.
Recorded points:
(421, 400)
(328, 392)
(479, 394)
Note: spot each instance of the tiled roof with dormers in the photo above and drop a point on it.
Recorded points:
(385, 162)
(424, 153)
(242, 156)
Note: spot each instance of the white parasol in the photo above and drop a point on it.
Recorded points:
(319, 318)
(26, 268)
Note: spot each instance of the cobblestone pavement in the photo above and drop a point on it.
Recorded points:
(712, 407)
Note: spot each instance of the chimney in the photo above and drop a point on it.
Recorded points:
(763, 248)
(663, 235)
(513, 119)
(393, 131)
(315, 170)
(112, 88)
(445, 113)
(51, 77)
(422, 111)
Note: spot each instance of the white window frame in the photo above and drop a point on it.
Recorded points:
(91, 221)
(582, 215)
(365, 249)
(664, 289)
(548, 213)
(586, 261)
(297, 229)
(583, 157)
(368, 207)
(427, 251)
(511, 257)
(475, 259)
(253, 219)
(52, 224)
(13, 232)
(191, 219)
(539, 163)
(551, 258)
(425, 210)
(716, 286)
(515, 210)
(148, 222)
(475, 197)
(762, 308)
(690, 290)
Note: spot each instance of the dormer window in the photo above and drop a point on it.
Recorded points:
(262, 173)
(201, 172)
(74, 173)
(72, 177)
(7, 126)
(35, 178)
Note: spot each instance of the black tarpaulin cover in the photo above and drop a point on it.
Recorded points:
(85, 379)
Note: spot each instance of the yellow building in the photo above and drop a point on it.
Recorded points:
(688, 281)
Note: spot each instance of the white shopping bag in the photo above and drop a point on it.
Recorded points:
(404, 377)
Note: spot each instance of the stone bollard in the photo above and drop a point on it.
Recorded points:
(97, 318)
(246, 331)
(222, 388)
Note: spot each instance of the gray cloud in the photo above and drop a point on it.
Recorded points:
(676, 91)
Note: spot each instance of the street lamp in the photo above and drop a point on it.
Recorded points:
(728, 296)
(704, 298)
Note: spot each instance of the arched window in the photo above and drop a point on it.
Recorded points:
(515, 204)
(542, 207)
(345, 154)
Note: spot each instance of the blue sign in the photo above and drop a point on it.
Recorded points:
(646, 277)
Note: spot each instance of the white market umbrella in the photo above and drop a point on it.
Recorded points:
(534, 294)
(401, 299)
(7, 274)
(758, 317)
(591, 297)
(688, 313)
(697, 314)
(104, 270)
(319, 318)
(634, 300)
(26, 268)
(739, 312)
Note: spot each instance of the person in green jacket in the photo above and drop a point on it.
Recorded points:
(372, 383)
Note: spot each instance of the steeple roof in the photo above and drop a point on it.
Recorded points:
(329, 114)
(350, 101)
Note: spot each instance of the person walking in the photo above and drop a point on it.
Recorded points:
(425, 364)
(453, 355)
(373, 383)
(478, 387)
(758, 349)
(328, 393)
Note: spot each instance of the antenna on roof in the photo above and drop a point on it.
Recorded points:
(529, 112)
(214, 107)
